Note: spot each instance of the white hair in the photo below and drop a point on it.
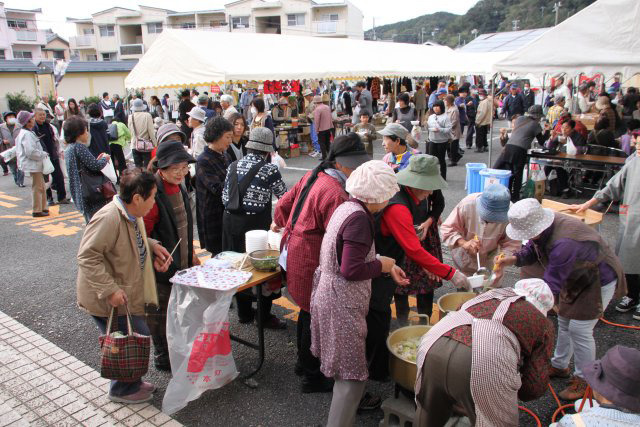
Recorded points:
(226, 98)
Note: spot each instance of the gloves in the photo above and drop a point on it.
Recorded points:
(461, 281)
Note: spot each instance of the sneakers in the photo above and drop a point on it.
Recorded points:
(151, 388)
(140, 396)
(636, 315)
(64, 201)
(40, 214)
(627, 304)
(559, 373)
(575, 390)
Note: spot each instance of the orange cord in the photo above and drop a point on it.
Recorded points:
(619, 325)
(588, 394)
(530, 412)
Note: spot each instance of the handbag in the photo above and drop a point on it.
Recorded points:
(237, 189)
(123, 357)
(141, 144)
(96, 187)
(47, 166)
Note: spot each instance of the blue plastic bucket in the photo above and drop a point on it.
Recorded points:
(493, 176)
(473, 184)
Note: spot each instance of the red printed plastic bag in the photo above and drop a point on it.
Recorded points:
(199, 344)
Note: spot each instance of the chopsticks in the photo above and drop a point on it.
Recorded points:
(171, 254)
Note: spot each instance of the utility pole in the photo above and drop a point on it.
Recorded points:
(374, 28)
(515, 24)
(422, 35)
(556, 9)
(542, 12)
(459, 38)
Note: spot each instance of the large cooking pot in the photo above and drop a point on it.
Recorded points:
(404, 371)
(451, 302)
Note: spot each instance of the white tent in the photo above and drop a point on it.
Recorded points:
(602, 38)
(181, 58)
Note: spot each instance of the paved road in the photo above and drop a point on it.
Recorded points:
(39, 270)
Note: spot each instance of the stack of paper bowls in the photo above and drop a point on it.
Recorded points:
(274, 239)
(256, 240)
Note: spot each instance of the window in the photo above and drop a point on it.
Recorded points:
(240, 22)
(22, 54)
(87, 31)
(109, 56)
(107, 30)
(58, 54)
(296, 19)
(17, 24)
(188, 25)
(92, 57)
(330, 17)
(154, 27)
(2, 54)
(216, 24)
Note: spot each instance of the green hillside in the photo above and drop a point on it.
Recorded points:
(486, 16)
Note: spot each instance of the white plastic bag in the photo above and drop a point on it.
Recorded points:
(47, 166)
(109, 171)
(277, 159)
(9, 154)
(571, 148)
(199, 344)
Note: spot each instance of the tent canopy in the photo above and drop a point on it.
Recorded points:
(181, 58)
(601, 38)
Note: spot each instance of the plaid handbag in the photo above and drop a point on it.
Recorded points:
(123, 357)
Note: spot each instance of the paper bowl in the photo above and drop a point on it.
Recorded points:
(476, 281)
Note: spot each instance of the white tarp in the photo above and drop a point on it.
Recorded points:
(602, 38)
(181, 58)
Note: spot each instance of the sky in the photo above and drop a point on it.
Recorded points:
(54, 13)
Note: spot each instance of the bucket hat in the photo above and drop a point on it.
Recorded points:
(493, 204)
(395, 129)
(24, 117)
(261, 139)
(349, 151)
(169, 129)
(527, 219)
(172, 152)
(536, 292)
(372, 182)
(325, 97)
(137, 105)
(616, 376)
(198, 114)
(423, 173)
(307, 92)
(535, 112)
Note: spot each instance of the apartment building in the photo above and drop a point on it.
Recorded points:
(125, 34)
(20, 37)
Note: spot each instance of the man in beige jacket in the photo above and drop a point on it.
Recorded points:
(483, 120)
(115, 268)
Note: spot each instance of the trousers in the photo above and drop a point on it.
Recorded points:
(310, 364)
(575, 337)
(446, 381)
(633, 286)
(471, 130)
(481, 136)
(122, 388)
(38, 192)
(57, 183)
(424, 303)
(378, 325)
(314, 138)
(119, 162)
(141, 158)
(513, 159)
(344, 402)
(324, 139)
(439, 150)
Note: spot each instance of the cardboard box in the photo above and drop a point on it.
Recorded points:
(289, 153)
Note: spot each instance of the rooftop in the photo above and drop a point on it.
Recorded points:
(503, 42)
(17, 65)
(90, 66)
(23, 10)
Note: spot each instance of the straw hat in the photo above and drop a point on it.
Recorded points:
(527, 219)
(372, 182)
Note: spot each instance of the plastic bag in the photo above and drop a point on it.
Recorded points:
(571, 148)
(109, 171)
(277, 159)
(9, 154)
(47, 166)
(199, 344)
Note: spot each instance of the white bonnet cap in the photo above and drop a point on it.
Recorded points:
(372, 182)
(537, 292)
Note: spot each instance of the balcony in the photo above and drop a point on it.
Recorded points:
(28, 37)
(131, 49)
(82, 42)
(330, 28)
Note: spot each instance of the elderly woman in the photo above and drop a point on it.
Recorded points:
(79, 160)
(603, 105)
(404, 113)
(197, 117)
(238, 148)
(116, 261)
(249, 208)
(211, 170)
(394, 142)
(8, 133)
(283, 112)
(456, 130)
(304, 212)
(226, 102)
(31, 154)
(169, 221)
(143, 134)
(478, 225)
(348, 262)
(439, 128)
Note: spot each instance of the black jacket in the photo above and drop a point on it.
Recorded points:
(232, 155)
(529, 99)
(513, 105)
(166, 230)
(118, 113)
(99, 137)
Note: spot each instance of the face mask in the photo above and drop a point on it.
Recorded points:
(11, 121)
(254, 111)
(482, 98)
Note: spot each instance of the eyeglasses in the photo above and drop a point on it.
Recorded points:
(178, 169)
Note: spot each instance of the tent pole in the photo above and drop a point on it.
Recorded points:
(544, 86)
(493, 108)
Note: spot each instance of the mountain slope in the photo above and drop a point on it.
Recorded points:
(486, 16)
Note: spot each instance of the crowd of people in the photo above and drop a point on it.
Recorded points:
(358, 235)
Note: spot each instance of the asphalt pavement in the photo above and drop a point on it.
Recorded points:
(38, 264)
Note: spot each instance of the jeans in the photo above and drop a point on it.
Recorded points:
(141, 158)
(575, 337)
(122, 388)
(314, 139)
(18, 175)
(471, 129)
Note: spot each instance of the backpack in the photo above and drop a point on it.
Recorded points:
(112, 132)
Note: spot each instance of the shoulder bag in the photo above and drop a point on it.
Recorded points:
(96, 187)
(141, 144)
(237, 190)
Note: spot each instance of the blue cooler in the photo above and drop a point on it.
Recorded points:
(494, 176)
(473, 184)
